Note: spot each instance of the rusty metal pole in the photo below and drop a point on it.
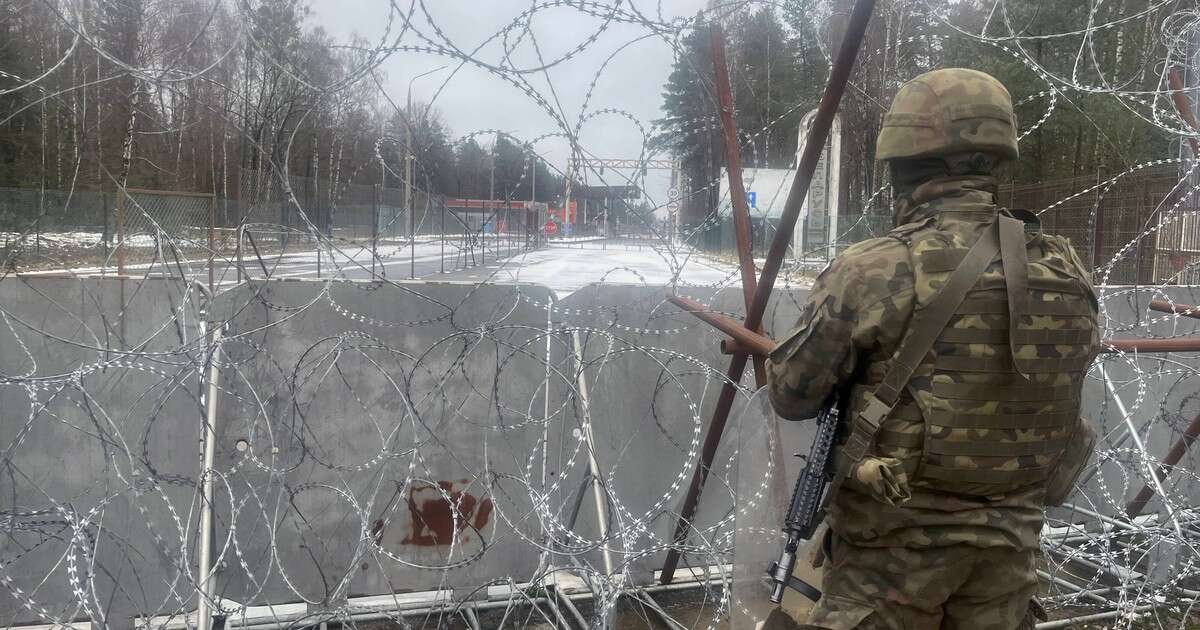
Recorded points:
(838, 78)
(1184, 106)
(1176, 344)
(748, 341)
(1176, 453)
(1186, 310)
(737, 188)
(745, 341)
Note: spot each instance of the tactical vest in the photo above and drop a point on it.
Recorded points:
(990, 405)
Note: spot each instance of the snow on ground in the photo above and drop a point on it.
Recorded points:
(76, 239)
(354, 256)
(563, 269)
(566, 270)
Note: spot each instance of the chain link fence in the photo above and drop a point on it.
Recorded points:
(263, 216)
(1138, 228)
(54, 225)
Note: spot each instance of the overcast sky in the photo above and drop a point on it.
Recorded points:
(473, 99)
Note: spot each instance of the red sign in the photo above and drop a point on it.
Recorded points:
(551, 228)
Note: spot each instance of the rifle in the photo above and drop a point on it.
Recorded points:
(807, 507)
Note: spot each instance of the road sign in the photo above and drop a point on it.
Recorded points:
(551, 228)
(672, 193)
(751, 198)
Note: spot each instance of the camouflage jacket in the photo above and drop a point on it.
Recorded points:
(857, 313)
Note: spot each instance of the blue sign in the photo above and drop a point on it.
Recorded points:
(752, 199)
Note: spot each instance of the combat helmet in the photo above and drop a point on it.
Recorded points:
(948, 111)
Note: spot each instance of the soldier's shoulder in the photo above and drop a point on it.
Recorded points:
(884, 258)
(907, 232)
(1061, 247)
(867, 251)
(1058, 242)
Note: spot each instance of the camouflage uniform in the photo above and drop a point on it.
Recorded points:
(939, 525)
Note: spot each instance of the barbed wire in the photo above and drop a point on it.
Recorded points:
(498, 445)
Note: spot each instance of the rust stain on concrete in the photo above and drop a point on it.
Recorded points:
(433, 515)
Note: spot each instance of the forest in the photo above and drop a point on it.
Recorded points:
(161, 94)
(779, 62)
(166, 94)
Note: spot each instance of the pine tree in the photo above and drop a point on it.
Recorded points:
(690, 130)
(768, 91)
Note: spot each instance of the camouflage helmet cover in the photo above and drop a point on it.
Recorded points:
(948, 111)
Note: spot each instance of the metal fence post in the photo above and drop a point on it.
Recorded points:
(412, 236)
(1098, 229)
(212, 238)
(283, 218)
(237, 248)
(120, 219)
(374, 227)
(442, 237)
(320, 218)
(322, 221)
(104, 235)
(207, 578)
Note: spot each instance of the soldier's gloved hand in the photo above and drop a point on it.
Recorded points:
(884, 479)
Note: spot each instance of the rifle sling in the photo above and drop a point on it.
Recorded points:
(1016, 279)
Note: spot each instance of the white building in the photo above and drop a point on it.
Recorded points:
(767, 192)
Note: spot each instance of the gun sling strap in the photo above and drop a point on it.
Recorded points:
(1007, 236)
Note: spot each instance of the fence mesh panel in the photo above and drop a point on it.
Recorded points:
(1135, 229)
(179, 221)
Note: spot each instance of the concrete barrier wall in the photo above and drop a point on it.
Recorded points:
(99, 448)
(379, 438)
(653, 376)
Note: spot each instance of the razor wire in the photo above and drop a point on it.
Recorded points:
(493, 453)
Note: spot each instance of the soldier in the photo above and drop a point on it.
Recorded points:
(957, 345)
